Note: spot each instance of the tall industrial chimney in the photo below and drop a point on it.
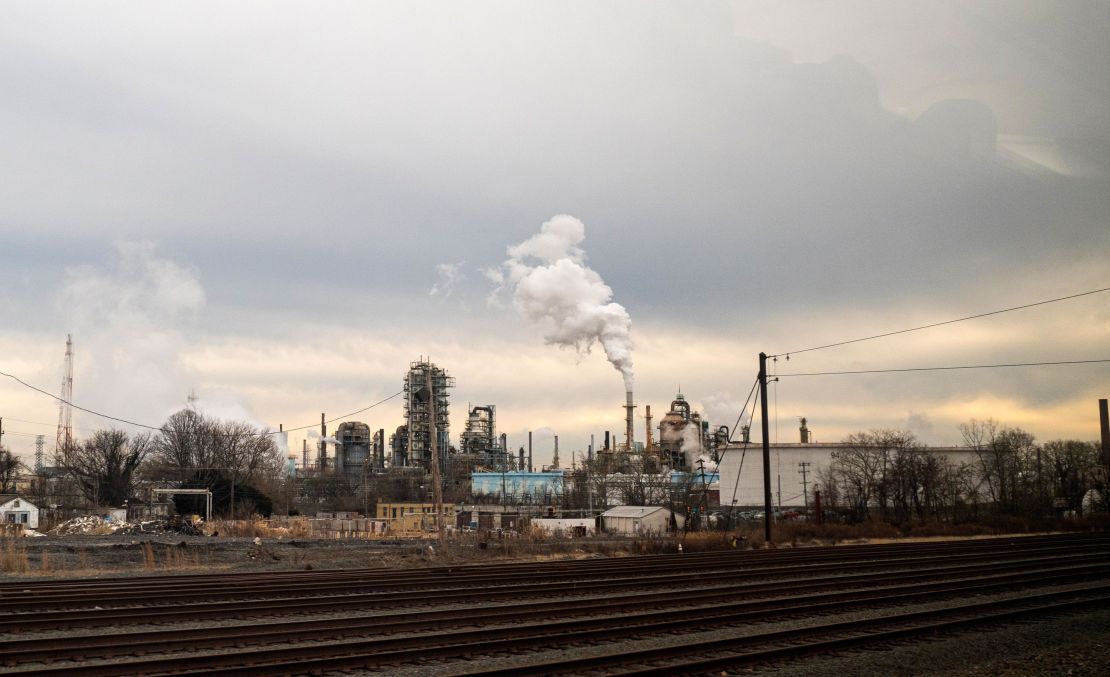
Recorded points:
(628, 407)
(323, 444)
(555, 462)
(649, 441)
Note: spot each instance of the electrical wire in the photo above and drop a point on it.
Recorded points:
(161, 428)
(940, 324)
(969, 366)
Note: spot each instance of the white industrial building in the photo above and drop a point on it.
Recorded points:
(573, 526)
(18, 510)
(637, 520)
(741, 471)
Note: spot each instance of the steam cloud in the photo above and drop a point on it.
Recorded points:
(450, 274)
(134, 320)
(551, 284)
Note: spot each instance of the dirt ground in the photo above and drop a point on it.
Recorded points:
(84, 555)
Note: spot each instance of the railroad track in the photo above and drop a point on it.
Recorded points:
(18, 597)
(487, 618)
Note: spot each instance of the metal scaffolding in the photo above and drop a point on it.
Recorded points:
(426, 410)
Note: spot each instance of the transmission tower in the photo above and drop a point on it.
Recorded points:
(40, 440)
(65, 412)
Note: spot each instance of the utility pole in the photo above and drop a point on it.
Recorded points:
(437, 488)
(803, 470)
(768, 514)
(1104, 425)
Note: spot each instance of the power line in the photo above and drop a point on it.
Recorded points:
(159, 428)
(940, 324)
(970, 366)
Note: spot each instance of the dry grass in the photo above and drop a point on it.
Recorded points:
(13, 557)
(258, 527)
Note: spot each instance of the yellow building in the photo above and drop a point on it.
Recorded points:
(415, 516)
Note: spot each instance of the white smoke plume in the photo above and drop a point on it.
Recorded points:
(450, 274)
(132, 322)
(315, 435)
(551, 285)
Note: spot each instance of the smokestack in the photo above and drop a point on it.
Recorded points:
(606, 447)
(628, 407)
(323, 444)
(304, 454)
(649, 440)
(555, 463)
(1104, 420)
(590, 455)
(529, 451)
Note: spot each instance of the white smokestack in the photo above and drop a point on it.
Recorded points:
(550, 281)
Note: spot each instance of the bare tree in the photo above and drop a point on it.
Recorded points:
(104, 465)
(190, 442)
(1074, 469)
(192, 446)
(10, 466)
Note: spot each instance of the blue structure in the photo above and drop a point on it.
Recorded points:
(517, 486)
(680, 477)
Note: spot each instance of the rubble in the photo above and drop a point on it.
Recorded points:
(95, 526)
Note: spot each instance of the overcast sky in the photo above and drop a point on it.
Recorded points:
(256, 201)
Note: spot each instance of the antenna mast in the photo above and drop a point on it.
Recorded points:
(64, 439)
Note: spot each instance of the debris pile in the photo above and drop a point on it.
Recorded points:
(88, 524)
(92, 525)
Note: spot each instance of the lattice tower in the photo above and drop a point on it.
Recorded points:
(64, 438)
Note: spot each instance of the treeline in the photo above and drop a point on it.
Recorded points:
(193, 449)
(890, 475)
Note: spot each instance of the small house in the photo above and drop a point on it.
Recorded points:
(18, 510)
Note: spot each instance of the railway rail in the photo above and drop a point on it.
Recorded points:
(457, 616)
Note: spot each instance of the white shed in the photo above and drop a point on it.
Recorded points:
(18, 510)
(637, 520)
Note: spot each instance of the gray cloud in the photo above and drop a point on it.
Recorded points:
(766, 173)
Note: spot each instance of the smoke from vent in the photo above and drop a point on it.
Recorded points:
(551, 284)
